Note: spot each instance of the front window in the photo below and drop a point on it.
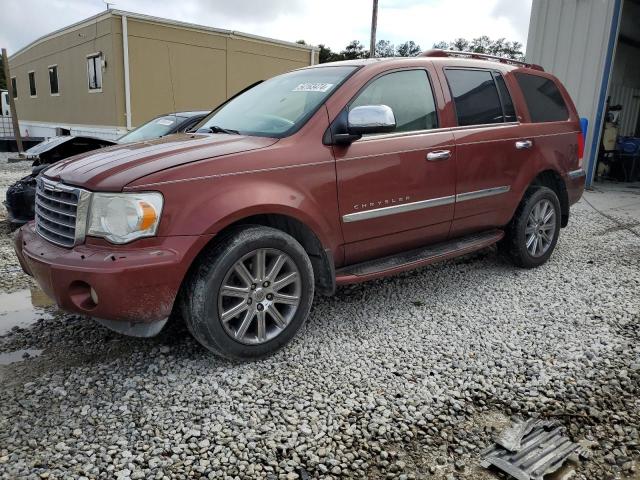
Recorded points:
(279, 106)
(156, 128)
(412, 112)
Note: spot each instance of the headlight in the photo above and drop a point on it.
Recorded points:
(123, 217)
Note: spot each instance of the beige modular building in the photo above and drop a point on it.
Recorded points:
(117, 70)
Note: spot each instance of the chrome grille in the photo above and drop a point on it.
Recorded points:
(60, 212)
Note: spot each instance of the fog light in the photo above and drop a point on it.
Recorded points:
(94, 295)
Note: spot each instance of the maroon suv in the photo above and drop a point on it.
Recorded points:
(328, 175)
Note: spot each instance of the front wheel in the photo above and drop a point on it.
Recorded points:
(533, 232)
(250, 294)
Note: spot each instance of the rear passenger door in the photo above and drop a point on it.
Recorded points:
(490, 152)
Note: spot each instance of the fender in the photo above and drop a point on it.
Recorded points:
(207, 206)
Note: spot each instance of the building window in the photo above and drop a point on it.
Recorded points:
(53, 80)
(32, 84)
(94, 72)
(14, 87)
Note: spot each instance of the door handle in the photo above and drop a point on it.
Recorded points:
(524, 144)
(438, 155)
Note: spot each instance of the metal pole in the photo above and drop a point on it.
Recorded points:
(127, 83)
(12, 103)
(374, 26)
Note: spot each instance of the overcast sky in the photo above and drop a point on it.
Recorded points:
(332, 22)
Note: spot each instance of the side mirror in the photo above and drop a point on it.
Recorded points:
(371, 119)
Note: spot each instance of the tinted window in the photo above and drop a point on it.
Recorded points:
(544, 100)
(409, 95)
(14, 86)
(475, 97)
(505, 96)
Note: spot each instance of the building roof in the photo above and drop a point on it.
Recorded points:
(163, 21)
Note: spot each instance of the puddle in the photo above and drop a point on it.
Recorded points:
(23, 308)
(18, 356)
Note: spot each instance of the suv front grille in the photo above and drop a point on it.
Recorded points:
(60, 212)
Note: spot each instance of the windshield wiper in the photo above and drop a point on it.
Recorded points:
(217, 129)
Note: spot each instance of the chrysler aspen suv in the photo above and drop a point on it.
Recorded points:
(329, 175)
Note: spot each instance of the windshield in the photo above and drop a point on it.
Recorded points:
(156, 128)
(278, 106)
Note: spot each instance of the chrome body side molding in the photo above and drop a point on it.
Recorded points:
(423, 204)
(487, 192)
(394, 209)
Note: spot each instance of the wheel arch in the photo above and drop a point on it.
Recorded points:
(321, 258)
(551, 179)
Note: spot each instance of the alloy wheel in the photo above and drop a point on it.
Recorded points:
(541, 228)
(259, 296)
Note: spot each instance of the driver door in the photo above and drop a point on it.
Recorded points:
(396, 191)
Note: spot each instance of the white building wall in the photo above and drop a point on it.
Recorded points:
(571, 39)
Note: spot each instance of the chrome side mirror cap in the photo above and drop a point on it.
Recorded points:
(371, 119)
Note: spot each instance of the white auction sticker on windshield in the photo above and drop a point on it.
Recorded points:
(164, 122)
(313, 87)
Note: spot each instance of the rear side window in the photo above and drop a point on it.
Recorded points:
(544, 100)
(409, 95)
(475, 96)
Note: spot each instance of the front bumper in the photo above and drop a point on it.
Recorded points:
(132, 285)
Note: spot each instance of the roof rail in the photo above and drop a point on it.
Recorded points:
(480, 56)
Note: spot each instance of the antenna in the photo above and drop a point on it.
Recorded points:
(108, 4)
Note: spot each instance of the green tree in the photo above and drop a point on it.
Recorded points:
(408, 49)
(384, 48)
(500, 47)
(326, 55)
(354, 51)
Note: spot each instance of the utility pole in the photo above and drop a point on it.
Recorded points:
(12, 103)
(374, 26)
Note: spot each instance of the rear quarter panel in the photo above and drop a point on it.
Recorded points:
(555, 143)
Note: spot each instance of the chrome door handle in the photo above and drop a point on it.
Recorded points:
(524, 144)
(438, 155)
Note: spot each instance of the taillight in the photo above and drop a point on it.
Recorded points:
(580, 149)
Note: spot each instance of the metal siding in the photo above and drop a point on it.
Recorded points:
(571, 39)
(629, 98)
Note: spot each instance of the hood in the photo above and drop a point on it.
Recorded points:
(111, 168)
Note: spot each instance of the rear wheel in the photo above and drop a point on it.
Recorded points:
(250, 294)
(533, 232)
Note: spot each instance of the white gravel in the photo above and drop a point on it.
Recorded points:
(405, 377)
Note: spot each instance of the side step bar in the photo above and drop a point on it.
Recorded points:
(382, 267)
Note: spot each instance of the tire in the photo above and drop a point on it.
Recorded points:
(271, 306)
(518, 244)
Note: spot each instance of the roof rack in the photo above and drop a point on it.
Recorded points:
(480, 56)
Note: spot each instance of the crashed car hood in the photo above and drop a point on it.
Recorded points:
(110, 169)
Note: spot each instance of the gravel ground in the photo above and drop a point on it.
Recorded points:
(406, 377)
(11, 277)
